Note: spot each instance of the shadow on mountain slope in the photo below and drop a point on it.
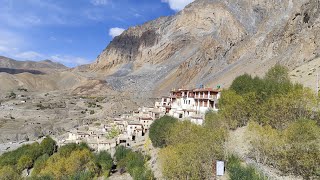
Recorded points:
(18, 71)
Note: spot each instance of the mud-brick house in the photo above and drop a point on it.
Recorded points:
(135, 130)
(146, 123)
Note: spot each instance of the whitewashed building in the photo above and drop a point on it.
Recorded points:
(190, 104)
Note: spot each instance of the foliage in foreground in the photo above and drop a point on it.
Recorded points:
(192, 149)
(25, 156)
(159, 129)
(295, 149)
(134, 163)
(71, 161)
(284, 120)
(237, 171)
(272, 100)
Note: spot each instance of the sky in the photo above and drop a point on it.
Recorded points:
(72, 32)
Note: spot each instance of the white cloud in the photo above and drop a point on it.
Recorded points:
(30, 55)
(177, 5)
(69, 60)
(99, 2)
(113, 32)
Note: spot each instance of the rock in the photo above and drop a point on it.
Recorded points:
(211, 42)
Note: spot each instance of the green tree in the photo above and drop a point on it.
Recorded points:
(192, 149)
(8, 173)
(48, 146)
(39, 164)
(278, 74)
(25, 162)
(233, 108)
(104, 161)
(114, 132)
(243, 84)
(134, 162)
(121, 153)
(159, 129)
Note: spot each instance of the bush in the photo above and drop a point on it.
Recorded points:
(104, 161)
(39, 164)
(240, 172)
(192, 149)
(159, 129)
(9, 173)
(48, 146)
(134, 162)
(295, 149)
(22, 157)
(25, 162)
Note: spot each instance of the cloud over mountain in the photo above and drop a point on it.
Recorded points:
(177, 5)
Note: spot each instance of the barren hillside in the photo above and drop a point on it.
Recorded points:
(211, 42)
(45, 66)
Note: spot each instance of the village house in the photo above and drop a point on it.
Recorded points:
(135, 130)
(190, 103)
(146, 123)
(95, 137)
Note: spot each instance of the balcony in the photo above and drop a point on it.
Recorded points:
(211, 97)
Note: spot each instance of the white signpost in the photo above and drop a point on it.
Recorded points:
(220, 168)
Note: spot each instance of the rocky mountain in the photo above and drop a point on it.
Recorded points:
(12, 66)
(211, 42)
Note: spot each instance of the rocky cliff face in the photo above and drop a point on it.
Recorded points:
(211, 42)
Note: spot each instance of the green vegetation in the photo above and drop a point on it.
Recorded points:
(14, 162)
(71, 161)
(284, 131)
(8, 173)
(283, 120)
(114, 132)
(237, 171)
(159, 130)
(134, 163)
(105, 162)
(189, 150)
(295, 149)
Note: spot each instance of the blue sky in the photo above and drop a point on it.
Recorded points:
(72, 32)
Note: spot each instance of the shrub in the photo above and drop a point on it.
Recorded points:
(134, 162)
(159, 129)
(104, 161)
(240, 172)
(48, 146)
(294, 149)
(191, 150)
(25, 162)
(9, 173)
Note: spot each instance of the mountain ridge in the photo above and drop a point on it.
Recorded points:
(211, 42)
(44, 65)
